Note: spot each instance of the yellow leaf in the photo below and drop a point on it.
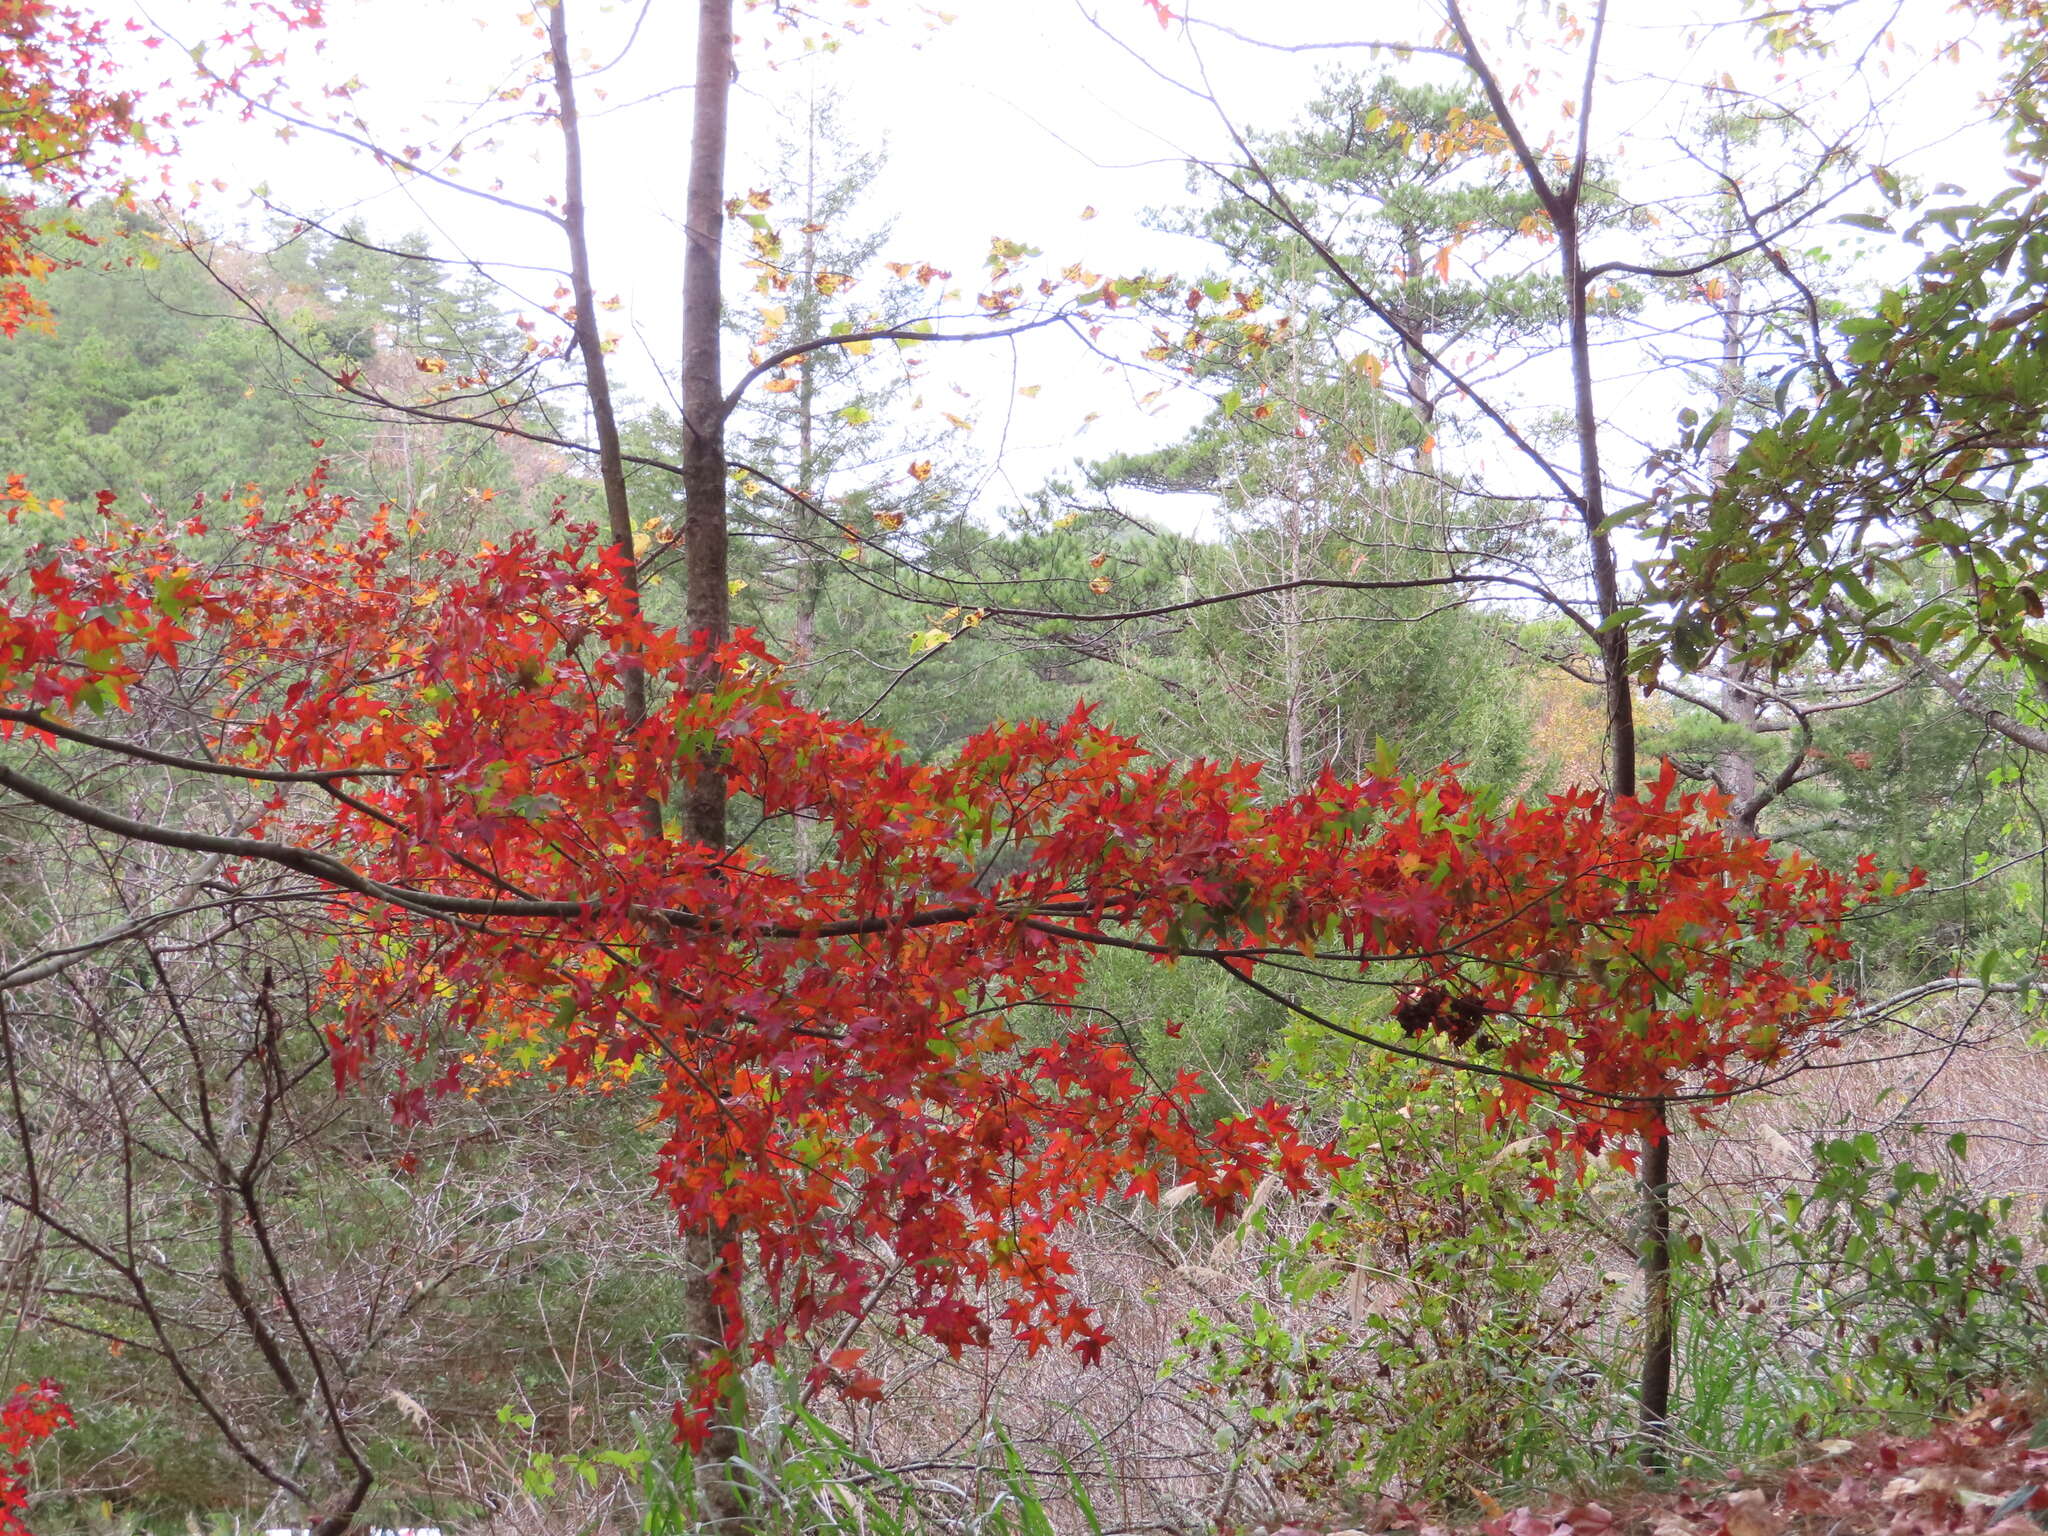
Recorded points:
(889, 520)
(780, 386)
(1099, 584)
(735, 587)
(921, 469)
(1030, 391)
(432, 365)
(1088, 212)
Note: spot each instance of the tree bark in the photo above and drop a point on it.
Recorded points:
(1566, 207)
(1655, 1390)
(611, 463)
(714, 1327)
(709, 1325)
(703, 466)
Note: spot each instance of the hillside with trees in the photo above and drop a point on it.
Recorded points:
(625, 908)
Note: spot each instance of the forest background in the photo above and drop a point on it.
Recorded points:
(1320, 525)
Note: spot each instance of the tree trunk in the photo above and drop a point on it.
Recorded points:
(1736, 767)
(714, 1326)
(1566, 210)
(704, 521)
(706, 1322)
(1655, 1390)
(611, 464)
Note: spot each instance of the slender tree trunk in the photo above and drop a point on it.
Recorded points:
(1293, 616)
(1736, 767)
(611, 463)
(714, 1325)
(810, 569)
(1654, 1388)
(1659, 1319)
(1416, 375)
(706, 1322)
(704, 519)
(1739, 778)
(1654, 1255)
(1621, 710)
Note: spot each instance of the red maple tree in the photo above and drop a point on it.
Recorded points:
(835, 1051)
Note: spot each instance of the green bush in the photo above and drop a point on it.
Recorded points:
(1439, 1327)
(1888, 1287)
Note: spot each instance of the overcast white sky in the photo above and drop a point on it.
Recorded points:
(1012, 118)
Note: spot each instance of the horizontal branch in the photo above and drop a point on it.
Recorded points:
(36, 720)
(795, 350)
(1986, 714)
(1399, 50)
(1333, 583)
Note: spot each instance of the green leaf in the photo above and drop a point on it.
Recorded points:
(169, 596)
(1853, 589)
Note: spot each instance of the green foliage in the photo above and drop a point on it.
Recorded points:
(370, 299)
(1415, 171)
(1893, 505)
(809, 1479)
(148, 386)
(156, 385)
(545, 1472)
(1910, 780)
(1447, 1328)
(1900, 1286)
